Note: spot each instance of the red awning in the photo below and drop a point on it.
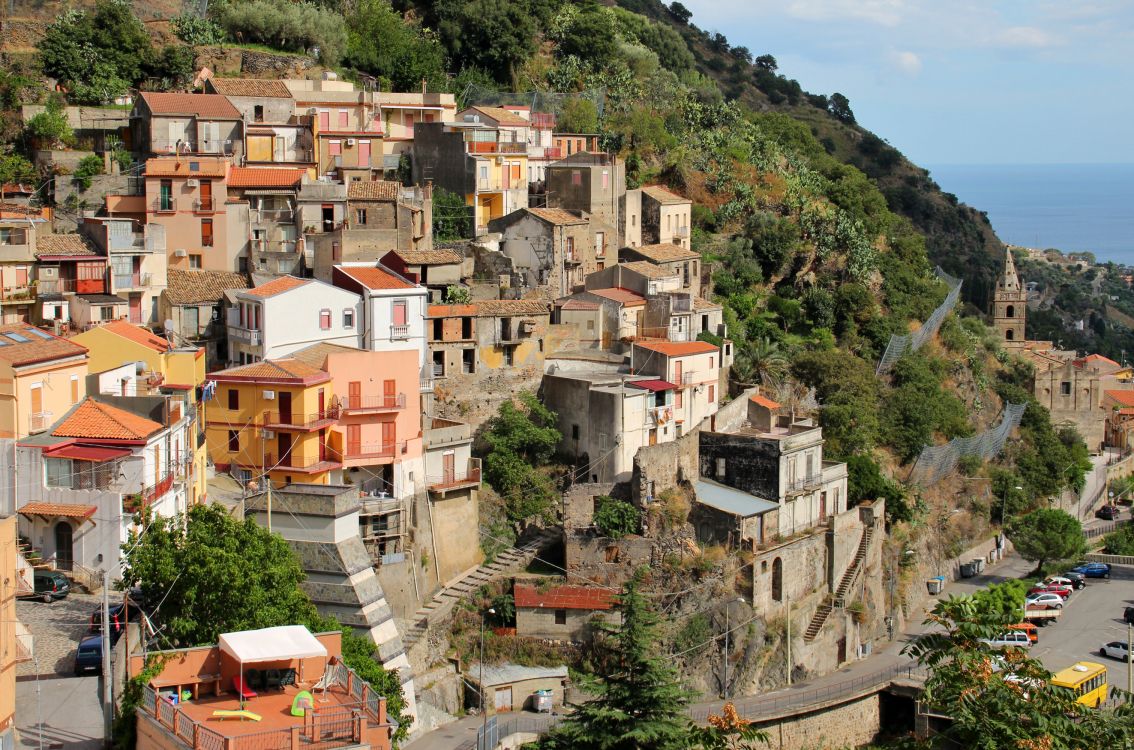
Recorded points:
(58, 510)
(87, 453)
(654, 385)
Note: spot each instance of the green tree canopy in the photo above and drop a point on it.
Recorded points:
(15, 169)
(381, 43)
(615, 518)
(1047, 534)
(452, 218)
(286, 25)
(96, 53)
(521, 438)
(578, 115)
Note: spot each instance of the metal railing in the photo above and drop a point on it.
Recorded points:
(278, 420)
(686, 378)
(802, 484)
(374, 403)
(164, 205)
(496, 147)
(681, 232)
(56, 286)
(17, 293)
(131, 280)
(244, 335)
(275, 246)
(454, 479)
(275, 215)
(374, 450)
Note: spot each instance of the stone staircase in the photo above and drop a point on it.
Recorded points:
(506, 562)
(850, 577)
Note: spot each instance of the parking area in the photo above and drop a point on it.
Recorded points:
(1091, 617)
(57, 714)
(57, 628)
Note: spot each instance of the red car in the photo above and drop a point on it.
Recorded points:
(1062, 590)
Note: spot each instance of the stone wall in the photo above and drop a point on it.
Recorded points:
(665, 466)
(608, 562)
(579, 503)
(852, 724)
(734, 414)
(248, 63)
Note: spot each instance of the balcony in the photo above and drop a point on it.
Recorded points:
(272, 216)
(204, 206)
(370, 404)
(553, 152)
(803, 484)
(131, 281)
(303, 464)
(658, 415)
(135, 501)
(358, 453)
(286, 422)
(425, 378)
(244, 335)
(164, 206)
(686, 378)
(451, 481)
(23, 293)
(275, 246)
(399, 333)
(39, 421)
(496, 147)
(572, 260)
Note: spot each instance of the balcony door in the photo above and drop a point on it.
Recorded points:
(206, 195)
(285, 407)
(389, 437)
(284, 444)
(389, 394)
(354, 439)
(449, 469)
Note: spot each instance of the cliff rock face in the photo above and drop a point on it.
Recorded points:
(249, 63)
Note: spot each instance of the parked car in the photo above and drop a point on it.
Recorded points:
(1044, 601)
(1051, 588)
(1093, 570)
(1078, 580)
(1107, 512)
(50, 585)
(88, 656)
(120, 614)
(1027, 629)
(1010, 639)
(1114, 649)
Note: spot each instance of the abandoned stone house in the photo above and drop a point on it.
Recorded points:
(550, 248)
(593, 183)
(605, 318)
(436, 269)
(1073, 389)
(732, 517)
(467, 342)
(674, 258)
(562, 613)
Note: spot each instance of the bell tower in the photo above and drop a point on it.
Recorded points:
(1009, 305)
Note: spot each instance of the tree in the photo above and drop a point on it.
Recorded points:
(588, 37)
(1120, 541)
(760, 362)
(15, 170)
(89, 166)
(1047, 534)
(492, 35)
(521, 439)
(195, 30)
(452, 218)
(639, 704)
(50, 126)
(680, 12)
(92, 51)
(285, 25)
(615, 518)
(839, 106)
(766, 62)
(381, 43)
(578, 115)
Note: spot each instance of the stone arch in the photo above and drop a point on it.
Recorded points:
(1011, 311)
(778, 580)
(1009, 334)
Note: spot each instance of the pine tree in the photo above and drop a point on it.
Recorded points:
(640, 704)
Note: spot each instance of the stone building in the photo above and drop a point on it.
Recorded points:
(562, 613)
(732, 517)
(436, 269)
(551, 248)
(593, 184)
(1074, 390)
(197, 304)
(663, 217)
(467, 342)
(675, 258)
(1010, 305)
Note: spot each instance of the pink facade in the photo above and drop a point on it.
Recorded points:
(188, 196)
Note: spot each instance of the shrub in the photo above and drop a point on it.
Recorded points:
(615, 518)
(50, 125)
(194, 30)
(89, 166)
(292, 27)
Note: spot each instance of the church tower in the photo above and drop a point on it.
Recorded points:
(1009, 304)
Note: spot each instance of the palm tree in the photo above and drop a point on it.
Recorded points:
(761, 362)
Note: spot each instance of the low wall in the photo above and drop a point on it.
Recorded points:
(852, 724)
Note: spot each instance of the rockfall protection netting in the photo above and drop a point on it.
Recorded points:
(549, 102)
(939, 461)
(899, 345)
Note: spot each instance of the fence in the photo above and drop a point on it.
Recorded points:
(899, 345)
(938, 461)
(545, 102)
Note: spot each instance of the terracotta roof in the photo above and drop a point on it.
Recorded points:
(174, 166)
(663, 195)
(654, 384)
(250, 87)
(376, 277)
(429, 257)
(677, 348)
(1095, 359)
(764, 401)
(97, 421)
(700, 303)
(1127, 411)
(648, 270)
(563, 597)
(618, 294)
(665, 252)
(274, 370)
(577, 304)
(277, 177)
(373, 190)
(1124, 398)
(58, 510)
(316, 354)
(497, 307)
(277, 286)
(557, 216)
(198, 105)
(19, 210)
(138, 335)
(451, 311)
(62, 245)
(501, 115)
(40, 346)
(185, 287)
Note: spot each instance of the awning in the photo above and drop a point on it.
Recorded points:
(87, 453)
(58, 510)
(271, 644)
(730, 500)
(654, 385)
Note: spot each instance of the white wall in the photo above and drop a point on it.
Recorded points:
(380, 320)
(291, 320)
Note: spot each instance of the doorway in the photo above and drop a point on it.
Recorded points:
(64, 546)
(285, 407)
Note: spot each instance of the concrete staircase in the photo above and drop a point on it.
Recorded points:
(850, 577)
(509, 561)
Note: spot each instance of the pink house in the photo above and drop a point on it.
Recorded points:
(187, 195)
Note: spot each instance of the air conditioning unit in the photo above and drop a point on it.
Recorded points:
(268, 434)
(349, 141)
(269, 395)
(180, 253)
(312, 111)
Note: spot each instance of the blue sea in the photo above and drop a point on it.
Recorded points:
(1069, 207)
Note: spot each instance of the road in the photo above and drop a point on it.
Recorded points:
(69, 708)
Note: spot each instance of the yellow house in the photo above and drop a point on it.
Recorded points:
(41, 377)
(273, 417)
(500, 185)
(165, 369)
(14, 639)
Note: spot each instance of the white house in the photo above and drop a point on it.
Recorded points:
(394, 308)
(693, 367)
(287, 314)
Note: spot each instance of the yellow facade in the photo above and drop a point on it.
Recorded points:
(32, 397)
(294, 444)
(495, 176)
(12, 649)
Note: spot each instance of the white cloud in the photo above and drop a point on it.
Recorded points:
(906, 61)
(882, 12)
(1026, 36)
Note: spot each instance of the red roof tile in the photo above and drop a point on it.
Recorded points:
(654, 385)
(1124, 398)
(277, 177)
(563, 597)
(764, 401)
(451, 311)
(138, 335)
(181, 166)
(58, 510)
(277, 286)
(93, 421)
(678, 348)
(198, 105)
(376, 278)
(40, 346)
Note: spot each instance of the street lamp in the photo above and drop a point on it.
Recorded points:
(483, 704)
(724, 659)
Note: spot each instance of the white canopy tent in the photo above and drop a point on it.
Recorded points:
(281, 643)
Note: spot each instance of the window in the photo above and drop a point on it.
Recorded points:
(206, 232)
(560, 617)
(165, 196)
(325, 320)
(574, 432)
(576, 177)
(678, 399)
(570, 248)
(360, 216)
(344, 119)
(400, 312)
(509, 356)
(712, 394)
(106, 312)
(1064, 387)
(233, 398)
(1011, 311)
(195, 261)
(233, 441)
(591, 325)
(258, 113)
(484, 174)
(778, 579)
(348, 318)
(720, 468)
(324, 120)
(13, 236)
(711, 360)
(335, 148)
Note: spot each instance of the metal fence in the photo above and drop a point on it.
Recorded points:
(548, 102)
(939, 461)
(899, 345)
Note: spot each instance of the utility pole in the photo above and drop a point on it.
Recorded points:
(724, 656)
(107, 677)
(1130, 657)
(483, 743)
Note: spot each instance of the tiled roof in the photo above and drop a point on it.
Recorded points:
(564, 597)
(663, 196)
(277, 286)
(497, 307)
(189, 287)
(451, 311)
(40, 346)
(1096, 359)
(700, 303)
(277, 177)
(138, 335)
(62, 245)
(501, 115)
(429, 257)
(618, 294)
(58, 510)
(648, 270)
(373, 190)
(250, 87)
(577, 304)
(665, 252)
(764, 401)
(376, 278)
(1125, 398)
(198, 105)
(179, 166)
(557, 216)
(316, 354)
(97, 421)
(275, 370)
(677, 348)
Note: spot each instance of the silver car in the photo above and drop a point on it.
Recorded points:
(1115, 650)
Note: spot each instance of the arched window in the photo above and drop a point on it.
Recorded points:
(1011, 311)
(1009, 334)
(778, 580)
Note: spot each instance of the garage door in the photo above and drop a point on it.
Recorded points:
(503, 699)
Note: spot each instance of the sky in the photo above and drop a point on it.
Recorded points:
(957, 81)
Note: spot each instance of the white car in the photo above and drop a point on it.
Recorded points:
(1114, 649)
(1062, 581)
(1044, 601)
